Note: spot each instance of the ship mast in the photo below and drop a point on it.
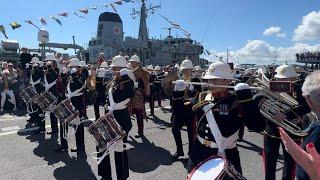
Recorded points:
(143, 29)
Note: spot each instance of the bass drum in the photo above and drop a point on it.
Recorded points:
(214, 168)
(167, 83)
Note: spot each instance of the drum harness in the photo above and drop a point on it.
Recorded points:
(29, 105)
(119, 147)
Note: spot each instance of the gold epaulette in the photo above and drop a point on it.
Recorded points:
(201, 100)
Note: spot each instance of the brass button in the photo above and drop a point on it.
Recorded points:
(207, 125)
(206, 131)
(206, 137)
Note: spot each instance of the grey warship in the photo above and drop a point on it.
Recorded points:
(169, 51)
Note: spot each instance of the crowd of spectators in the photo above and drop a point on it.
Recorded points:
(307, 56)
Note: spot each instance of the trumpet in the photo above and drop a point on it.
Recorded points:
(213, 85)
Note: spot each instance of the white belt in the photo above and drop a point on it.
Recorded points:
(119, 106)
(212, 144)
(35, 83)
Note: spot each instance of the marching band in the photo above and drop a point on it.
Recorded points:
(215, 104)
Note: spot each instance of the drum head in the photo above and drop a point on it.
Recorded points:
(209, 170)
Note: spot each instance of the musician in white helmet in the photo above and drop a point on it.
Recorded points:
(120, 91)
(103, 76)
(183, 98)
(158, 93)
(152, 88)
(220, 114)
(272, 139)
(50, 84)
(36, 80)
(142, 91)
(75, 91)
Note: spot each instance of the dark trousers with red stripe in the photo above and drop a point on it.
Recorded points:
(121, 164)
(271, 153)
(139, 116)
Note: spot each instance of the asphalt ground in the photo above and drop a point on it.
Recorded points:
(25, 155)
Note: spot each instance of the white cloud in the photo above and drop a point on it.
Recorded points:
(261, 52)
(273, 30)
(309, 29)
(282, 35)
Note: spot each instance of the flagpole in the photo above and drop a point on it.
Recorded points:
(227, 55)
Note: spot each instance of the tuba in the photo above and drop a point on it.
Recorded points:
(271, 103)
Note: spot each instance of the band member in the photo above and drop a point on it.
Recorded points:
(182, 113)
(197, 71)
(85, 73)
(50, 84)
(102, 78)
(120, 90)
(142, 90)
(75, 88)
(36, 80)
(220, 114)
(6, 84)
(158, 93)
(62, 88)
(272, 139)
(152, 89)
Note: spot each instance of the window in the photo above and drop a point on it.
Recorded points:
(100, 27)
(99, 33)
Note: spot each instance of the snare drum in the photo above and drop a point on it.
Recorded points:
(29, 94)
(46, 101)
(65, 112)
(106, 132)
(214, 168)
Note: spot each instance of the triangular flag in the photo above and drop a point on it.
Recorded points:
(208, 52)
(175, 24)
(65, 14)
(84, 11)
(75, 13)
(114, 8)
(3, 30)
(30, 22)
(119, 2)
(57, 20)
(14, 25)
(43, 21)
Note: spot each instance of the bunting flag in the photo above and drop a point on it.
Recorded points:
(75, 13)
(84, 11)
(43, 21)
(3, 30)
(119, 2)
(14, 25)
(114, 8)
(208, 52)
(65, 14)
(57, 20)
(30, 22)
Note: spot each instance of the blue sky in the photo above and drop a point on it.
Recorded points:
(231, 23)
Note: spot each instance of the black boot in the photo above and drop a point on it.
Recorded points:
(176, 155)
